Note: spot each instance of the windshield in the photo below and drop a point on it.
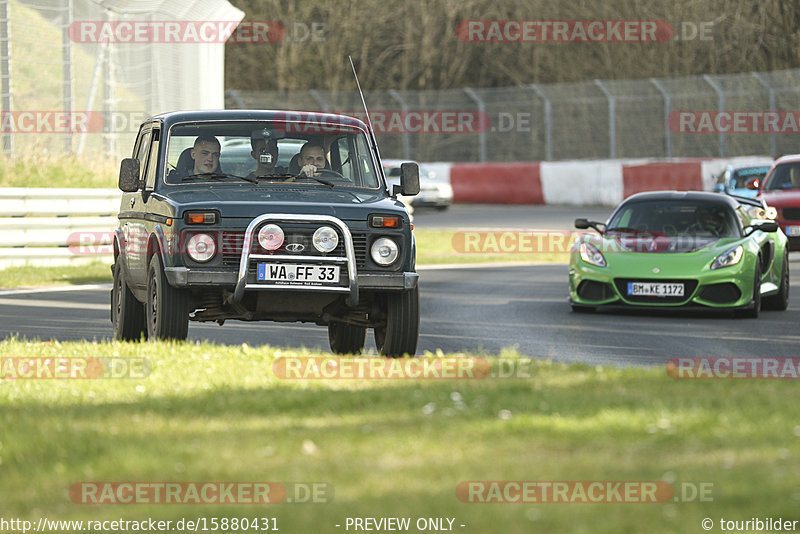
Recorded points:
(785, 176)
(676, 218)
(742, 176)
(268, 153)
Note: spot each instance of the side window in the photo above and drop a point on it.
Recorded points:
(152, 162)
(142, 149)
(340, 157)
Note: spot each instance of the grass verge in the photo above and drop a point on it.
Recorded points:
(95, 272)
(396, 448)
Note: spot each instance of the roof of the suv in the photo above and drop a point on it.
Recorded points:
(330, 119)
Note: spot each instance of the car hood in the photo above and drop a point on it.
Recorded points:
(781, 198)
(654, 243)
(348, 204)
(677, 264)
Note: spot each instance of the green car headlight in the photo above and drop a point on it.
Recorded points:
(728, 258)
(590, 254)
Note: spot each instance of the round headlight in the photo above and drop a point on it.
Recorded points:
(201, 247)
(270, 237)
(384, 251)
(325, 239)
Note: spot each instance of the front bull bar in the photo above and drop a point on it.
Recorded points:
(349, 258)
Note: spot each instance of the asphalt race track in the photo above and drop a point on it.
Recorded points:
(469, 309)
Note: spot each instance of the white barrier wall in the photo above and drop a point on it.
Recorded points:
(44, 226)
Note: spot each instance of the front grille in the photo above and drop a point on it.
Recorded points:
(233, 240)
(688, 289)
(592, 290)
(721, 293)
(791, 214)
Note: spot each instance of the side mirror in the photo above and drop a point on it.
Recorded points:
(409, 179)
(129, 180)
(752, 184)
(585, 224)
(766, 226)
(719, 188)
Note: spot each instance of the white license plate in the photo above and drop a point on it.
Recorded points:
(293, 273)
(654, 289)
(793, 231)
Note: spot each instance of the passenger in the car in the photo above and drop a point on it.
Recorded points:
(265, 152)
(202, 158)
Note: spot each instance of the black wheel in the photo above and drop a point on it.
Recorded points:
(399, 335)
(347, 338)
(780, 301)
(127, 313)
(755, 308)
(167, 307)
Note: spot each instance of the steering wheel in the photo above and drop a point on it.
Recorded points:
(331, 172)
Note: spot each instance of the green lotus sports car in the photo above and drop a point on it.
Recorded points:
(689, 249)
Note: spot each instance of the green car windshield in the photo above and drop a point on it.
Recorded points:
(676, 218)
(264, 153)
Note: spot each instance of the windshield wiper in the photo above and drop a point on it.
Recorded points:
(624, 229)
(219, 175)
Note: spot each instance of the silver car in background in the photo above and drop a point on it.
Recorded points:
(435, 190)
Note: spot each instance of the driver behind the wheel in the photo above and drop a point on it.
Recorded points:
(710, 221)
(312, 157)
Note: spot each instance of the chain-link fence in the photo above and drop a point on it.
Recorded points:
(79, 76)
(699, 116)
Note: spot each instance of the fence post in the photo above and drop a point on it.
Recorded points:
(667, 111)
(5, 70)
(482, 135)
(66, 58)
(612, 123)
(321, 101)
(773, 147)
(403, 106)
(721, 108)
(548, 125)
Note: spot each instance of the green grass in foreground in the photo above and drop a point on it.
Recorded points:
(395, 447)
(433, 247)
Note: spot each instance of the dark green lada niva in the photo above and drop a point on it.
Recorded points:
(264, 216)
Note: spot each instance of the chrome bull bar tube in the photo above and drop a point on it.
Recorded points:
(349, 258)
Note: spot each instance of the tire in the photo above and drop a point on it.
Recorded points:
(127, 313)
(167, 309)
(347, 338)
(400, 334)
(754, 309)
(780, 301)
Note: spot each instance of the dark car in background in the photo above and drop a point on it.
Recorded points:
(334, 248)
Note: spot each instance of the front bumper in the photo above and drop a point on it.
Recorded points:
(199, 277)
(730, 287)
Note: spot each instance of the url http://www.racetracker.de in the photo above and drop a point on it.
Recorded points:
(196, 524)
(754, 524)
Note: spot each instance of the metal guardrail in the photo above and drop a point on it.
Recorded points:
(56, 226)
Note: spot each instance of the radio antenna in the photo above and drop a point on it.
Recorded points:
(364, 103)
